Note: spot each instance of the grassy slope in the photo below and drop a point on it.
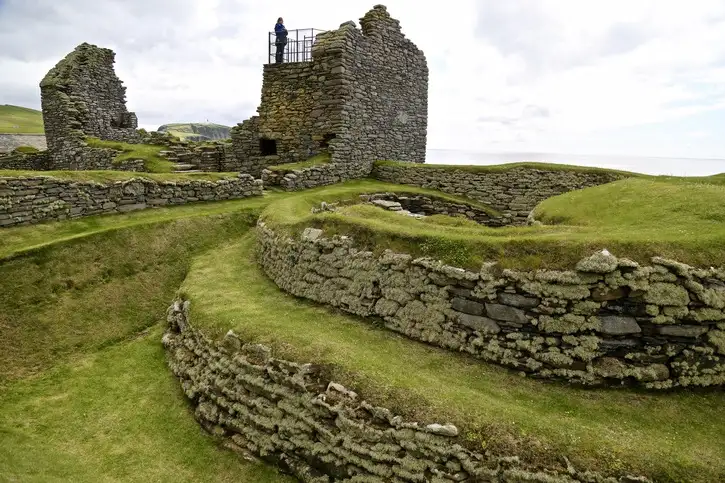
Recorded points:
(153, 162)
(674, 437)
(638, 218)
(20, 120)
(84, 391)
(184, 130)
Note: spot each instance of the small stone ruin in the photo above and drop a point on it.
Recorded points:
(82, 96)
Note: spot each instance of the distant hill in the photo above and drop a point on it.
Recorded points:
(20, 120)
(197, 131)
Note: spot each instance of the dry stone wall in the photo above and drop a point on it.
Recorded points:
(607, 322)
(293, 416)
(34, 199)
(82, 96)
(39, 161)
(363, 97)
(514, 192)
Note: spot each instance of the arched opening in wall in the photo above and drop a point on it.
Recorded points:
(267, 147)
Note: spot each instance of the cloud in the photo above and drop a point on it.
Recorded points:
(514, 75)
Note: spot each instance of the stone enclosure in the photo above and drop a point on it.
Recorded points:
(606, 322)
(292, 415)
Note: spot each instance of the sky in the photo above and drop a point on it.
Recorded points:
(634, 77)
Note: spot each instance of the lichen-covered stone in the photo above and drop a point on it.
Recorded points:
(61, 199)
(544, 323)
(600, 262)
(291, 415)
(667, 294)
(616, 325)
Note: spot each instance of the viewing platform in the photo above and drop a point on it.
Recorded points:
(296, 48)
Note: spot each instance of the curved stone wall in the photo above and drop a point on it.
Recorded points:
(512, 191)
(293, 416)
(609, 321)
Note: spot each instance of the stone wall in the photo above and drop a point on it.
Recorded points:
(34, 199)
(422, 205)
(608, 321)
(514, 192)
(300, 179)
(293, 416)
(82, 96)
(363, 97)
(39, 161)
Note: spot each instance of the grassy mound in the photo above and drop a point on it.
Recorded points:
(20, 120)
(85, 394)
(636, 217)
(672, 437)
(317, 160)
(149, 153)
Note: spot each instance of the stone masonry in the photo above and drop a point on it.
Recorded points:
(512, 191)
(34, 199)
(293, 416)
(82, 96)
(608, 321)
(363, 97)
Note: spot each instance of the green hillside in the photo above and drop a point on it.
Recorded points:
(20, 120)
(196, 131)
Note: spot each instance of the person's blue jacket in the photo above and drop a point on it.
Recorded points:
(280, 31)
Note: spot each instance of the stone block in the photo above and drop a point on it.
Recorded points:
(685, 331)
(467, 306)
(516, 300)
(483, 325)
(506, 313)
(617, 325)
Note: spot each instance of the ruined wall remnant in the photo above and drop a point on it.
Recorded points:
(82, 96)
(363, 97)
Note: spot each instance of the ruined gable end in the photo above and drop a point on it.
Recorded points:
(81, 96)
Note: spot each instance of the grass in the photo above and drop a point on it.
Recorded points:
(25, 150)
(62, 299)
(20, 120)
(669, 437)
(23, 239)
(317, 160)
(636, 217)
(110, 176)
(153, 162)
(114, 415)
(85, 394)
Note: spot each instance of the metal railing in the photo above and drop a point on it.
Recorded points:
(297, 48)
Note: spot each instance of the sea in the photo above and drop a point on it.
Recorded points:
(637, 164)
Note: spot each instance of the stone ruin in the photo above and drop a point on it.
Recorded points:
(363, 97)
(82, 96)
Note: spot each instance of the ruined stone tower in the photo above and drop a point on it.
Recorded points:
(363, 97)
(82, 96)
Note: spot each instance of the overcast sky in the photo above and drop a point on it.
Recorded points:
(634, 77)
